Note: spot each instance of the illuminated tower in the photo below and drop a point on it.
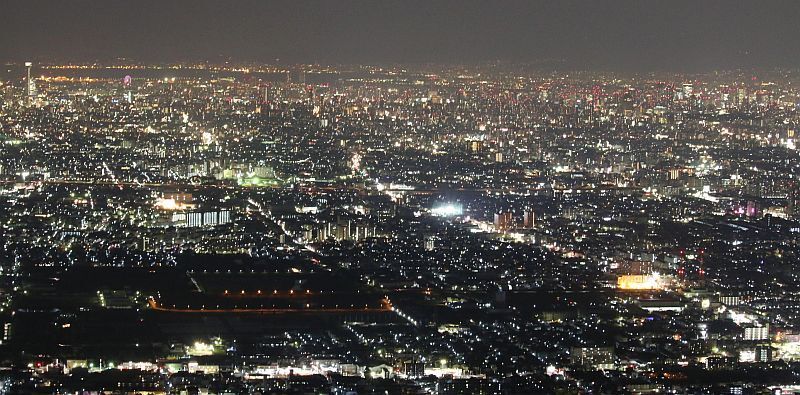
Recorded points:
(28, 67)
(126, 83)
(30, 90)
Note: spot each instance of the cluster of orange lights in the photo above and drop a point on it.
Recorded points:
(640, 282)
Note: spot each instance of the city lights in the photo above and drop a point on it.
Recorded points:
(446, 198)
(447, 210)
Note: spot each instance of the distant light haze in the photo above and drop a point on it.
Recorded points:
(601, 35)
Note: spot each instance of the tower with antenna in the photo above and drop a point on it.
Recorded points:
(30, 90)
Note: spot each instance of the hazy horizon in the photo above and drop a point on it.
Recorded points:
(639, 36)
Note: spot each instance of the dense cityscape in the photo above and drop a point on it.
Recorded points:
(307, 229)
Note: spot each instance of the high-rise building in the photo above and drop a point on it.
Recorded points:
(414, 369)
(756, 333)
(688, 89)
(763, 353)
(430, 243)
(30, 90)
(730, 300)
(593, 357)
(503, 221)
(476, 146)
(194, 219)
(529, 219)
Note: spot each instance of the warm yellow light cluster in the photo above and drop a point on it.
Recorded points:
(170, 204)
(640, 282)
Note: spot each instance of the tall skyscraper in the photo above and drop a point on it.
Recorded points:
(30, 90)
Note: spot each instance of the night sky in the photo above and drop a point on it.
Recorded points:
(603, 35)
